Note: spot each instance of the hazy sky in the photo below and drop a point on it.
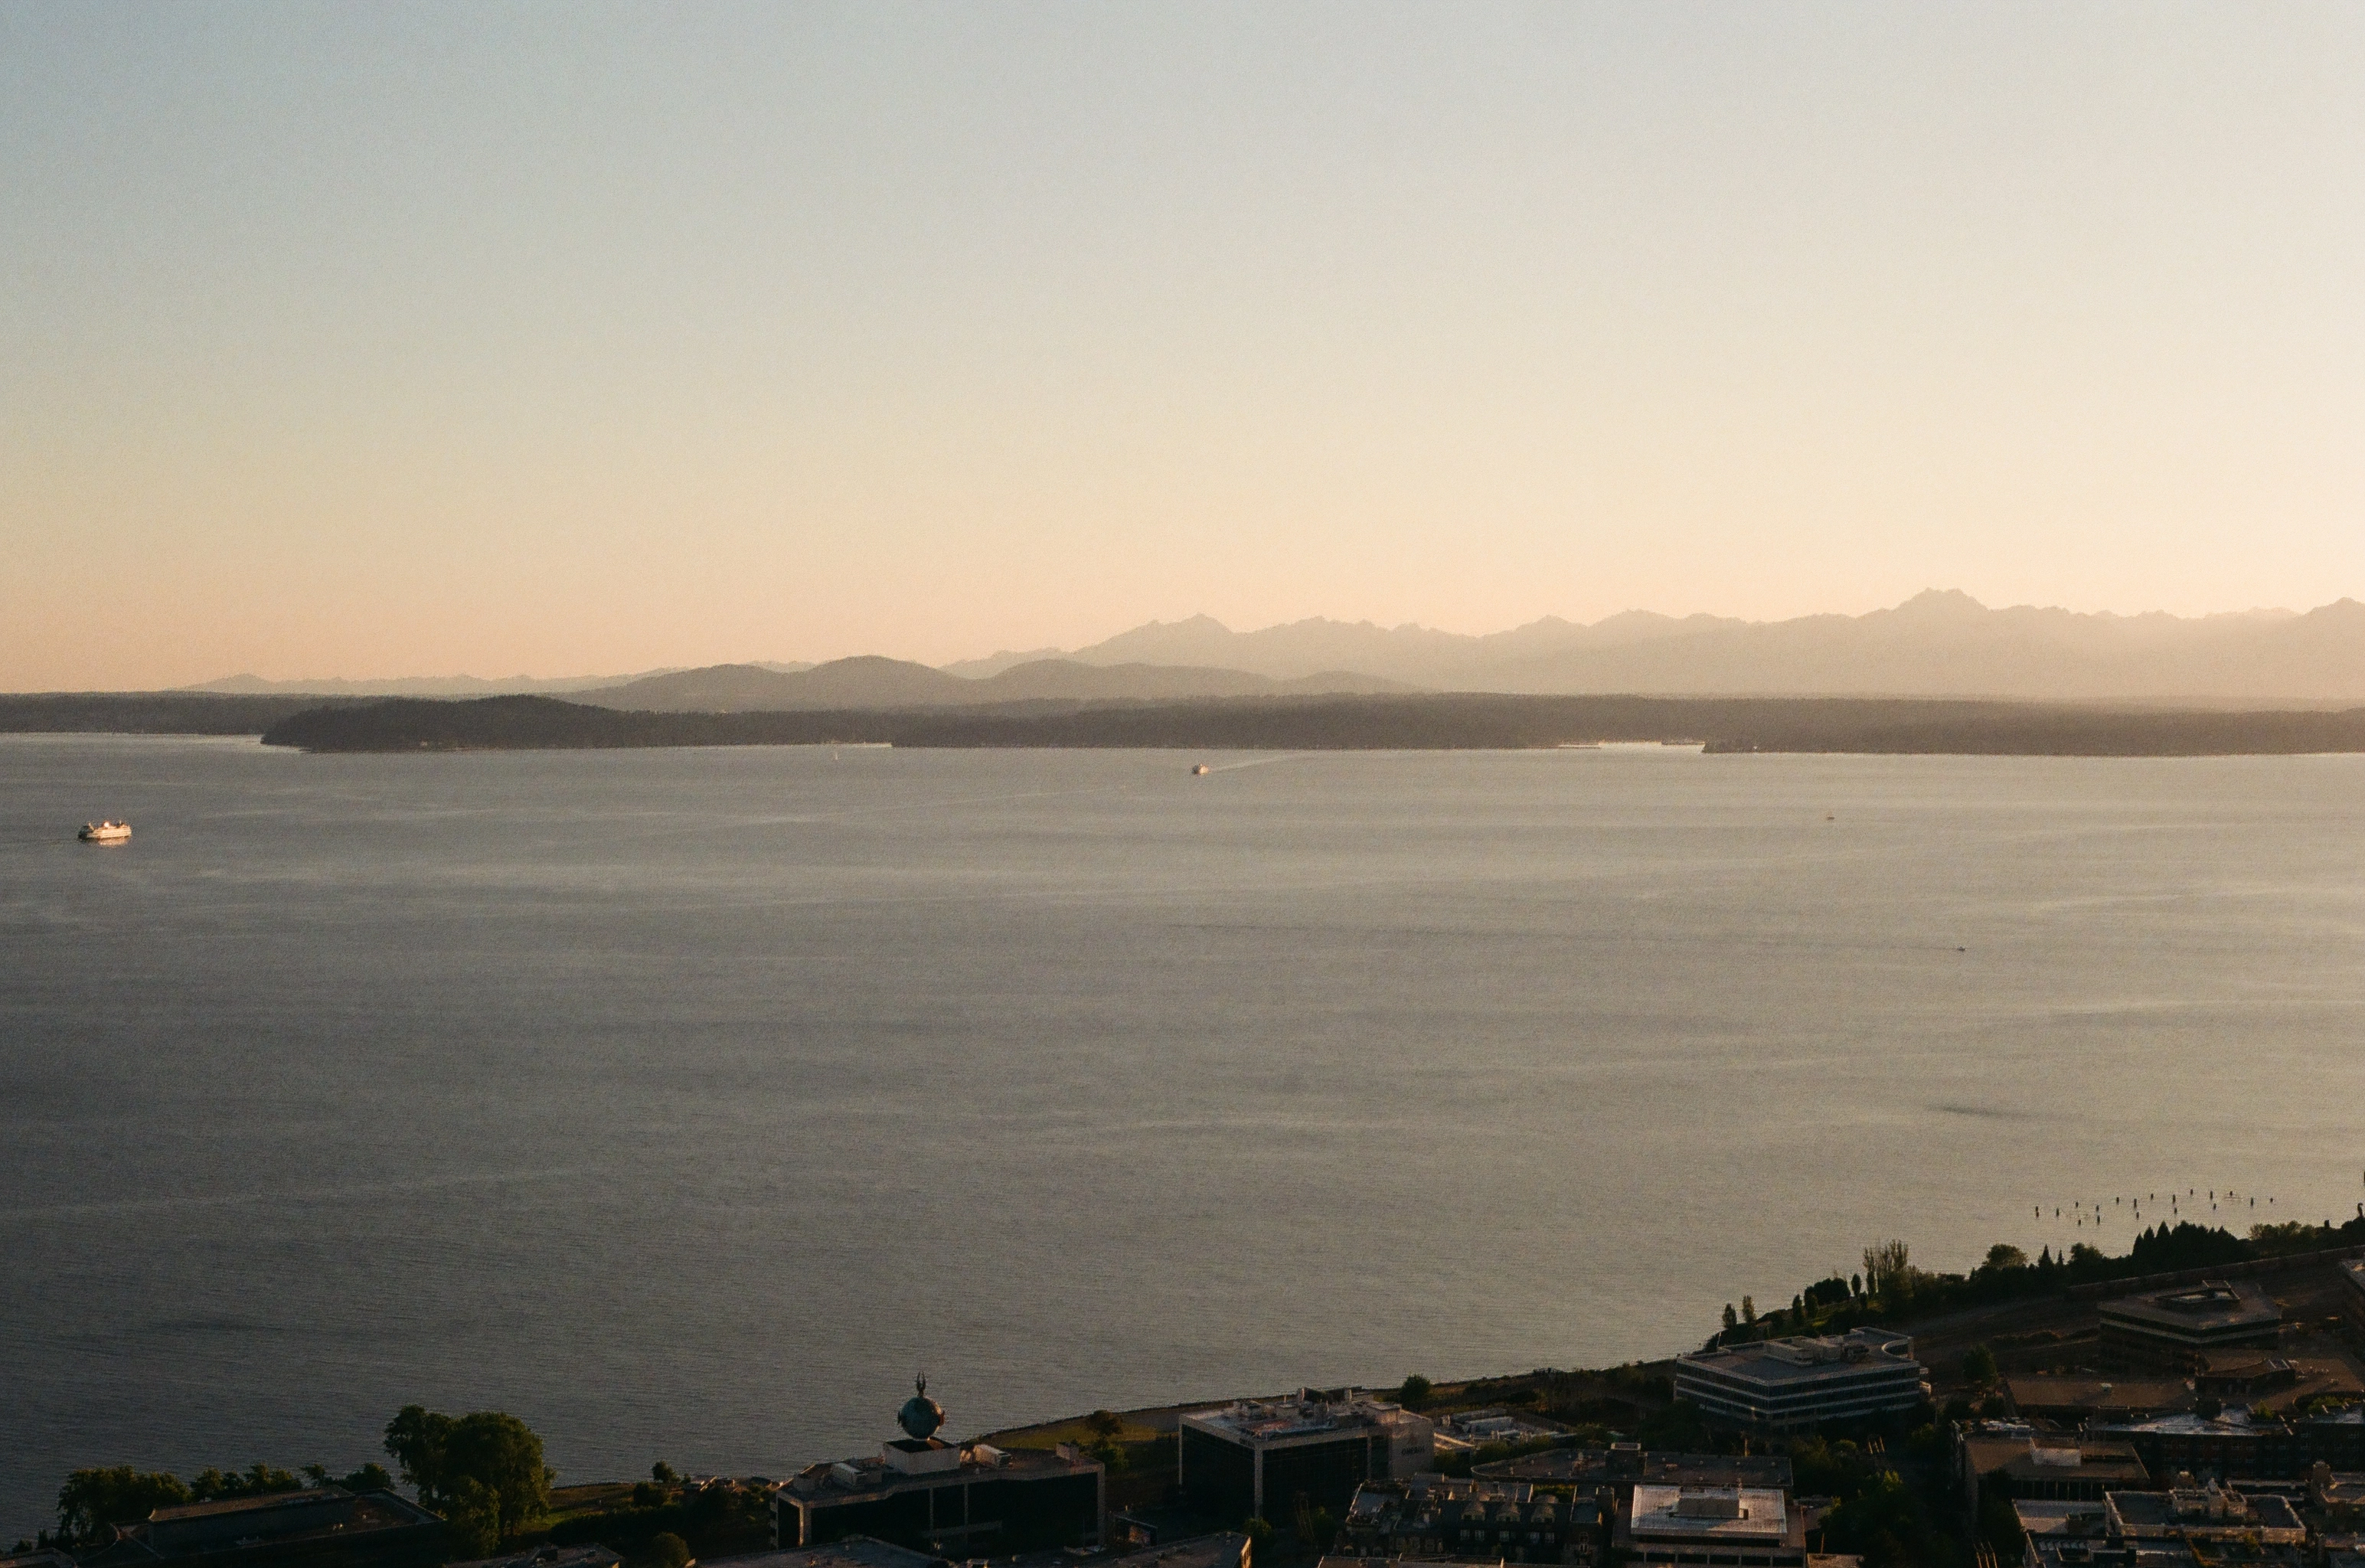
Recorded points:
(398, 339)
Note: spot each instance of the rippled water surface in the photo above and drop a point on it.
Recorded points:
(685, 1102)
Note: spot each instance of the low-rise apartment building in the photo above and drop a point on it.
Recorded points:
(1441, 1516)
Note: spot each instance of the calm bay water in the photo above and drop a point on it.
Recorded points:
(685, 1103)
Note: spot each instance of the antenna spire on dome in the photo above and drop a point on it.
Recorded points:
(921, 1416)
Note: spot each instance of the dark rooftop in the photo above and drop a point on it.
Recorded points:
(2217, 1304)
(1599, 1467)
(320, 1514)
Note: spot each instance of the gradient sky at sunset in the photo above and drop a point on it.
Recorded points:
(405, 339)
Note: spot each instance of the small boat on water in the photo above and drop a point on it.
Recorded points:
(108, 831)
(1198, 769)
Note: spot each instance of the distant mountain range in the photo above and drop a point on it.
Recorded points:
(1938, 644)
(869, 682)
(440, 685)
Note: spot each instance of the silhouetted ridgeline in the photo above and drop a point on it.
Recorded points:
(1427, 722)
(147, 713)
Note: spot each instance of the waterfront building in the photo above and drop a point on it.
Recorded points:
(320, 1524)
(2182, 1327)
(1261, 1458)
(1441, 1516)
(1791, 1384)
(1747, 1526)
(957, 1500)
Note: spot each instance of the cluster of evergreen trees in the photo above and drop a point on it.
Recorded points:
(1892, 1289)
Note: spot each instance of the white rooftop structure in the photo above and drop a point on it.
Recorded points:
(1733, 1524)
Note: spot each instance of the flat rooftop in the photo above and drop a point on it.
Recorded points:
(2056, 1551)
(2037, 1393)
(1595, 1467)
(2216, 1307)
(1802, 1363)
(2054, 1516)
(1712, 1515)
(2213, 1510)
(870, 1474)
(2035, 1459)
(1270, 1420)
(316, 1513)
(2232, 1422)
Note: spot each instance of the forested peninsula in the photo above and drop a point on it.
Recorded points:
(1411, 722)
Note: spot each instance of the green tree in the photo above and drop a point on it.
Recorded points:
(670, 1550)
(471, 1517)
(93, 1501)
(482, 1471)
(1979, 1366)
(2003, 1255)
(370, 1477)
(664, 1474)
(1260, 1534)
(1732, 1318)
(257, 1479)
(1315, 1528)
(1887, 1271)
(1415, 1392)
(1748, 1313)
(1104, 1425)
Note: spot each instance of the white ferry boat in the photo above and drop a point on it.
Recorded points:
(109, 832)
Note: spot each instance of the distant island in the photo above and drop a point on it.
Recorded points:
(1422, 722)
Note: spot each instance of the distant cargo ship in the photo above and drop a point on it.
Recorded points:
(109, 832)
